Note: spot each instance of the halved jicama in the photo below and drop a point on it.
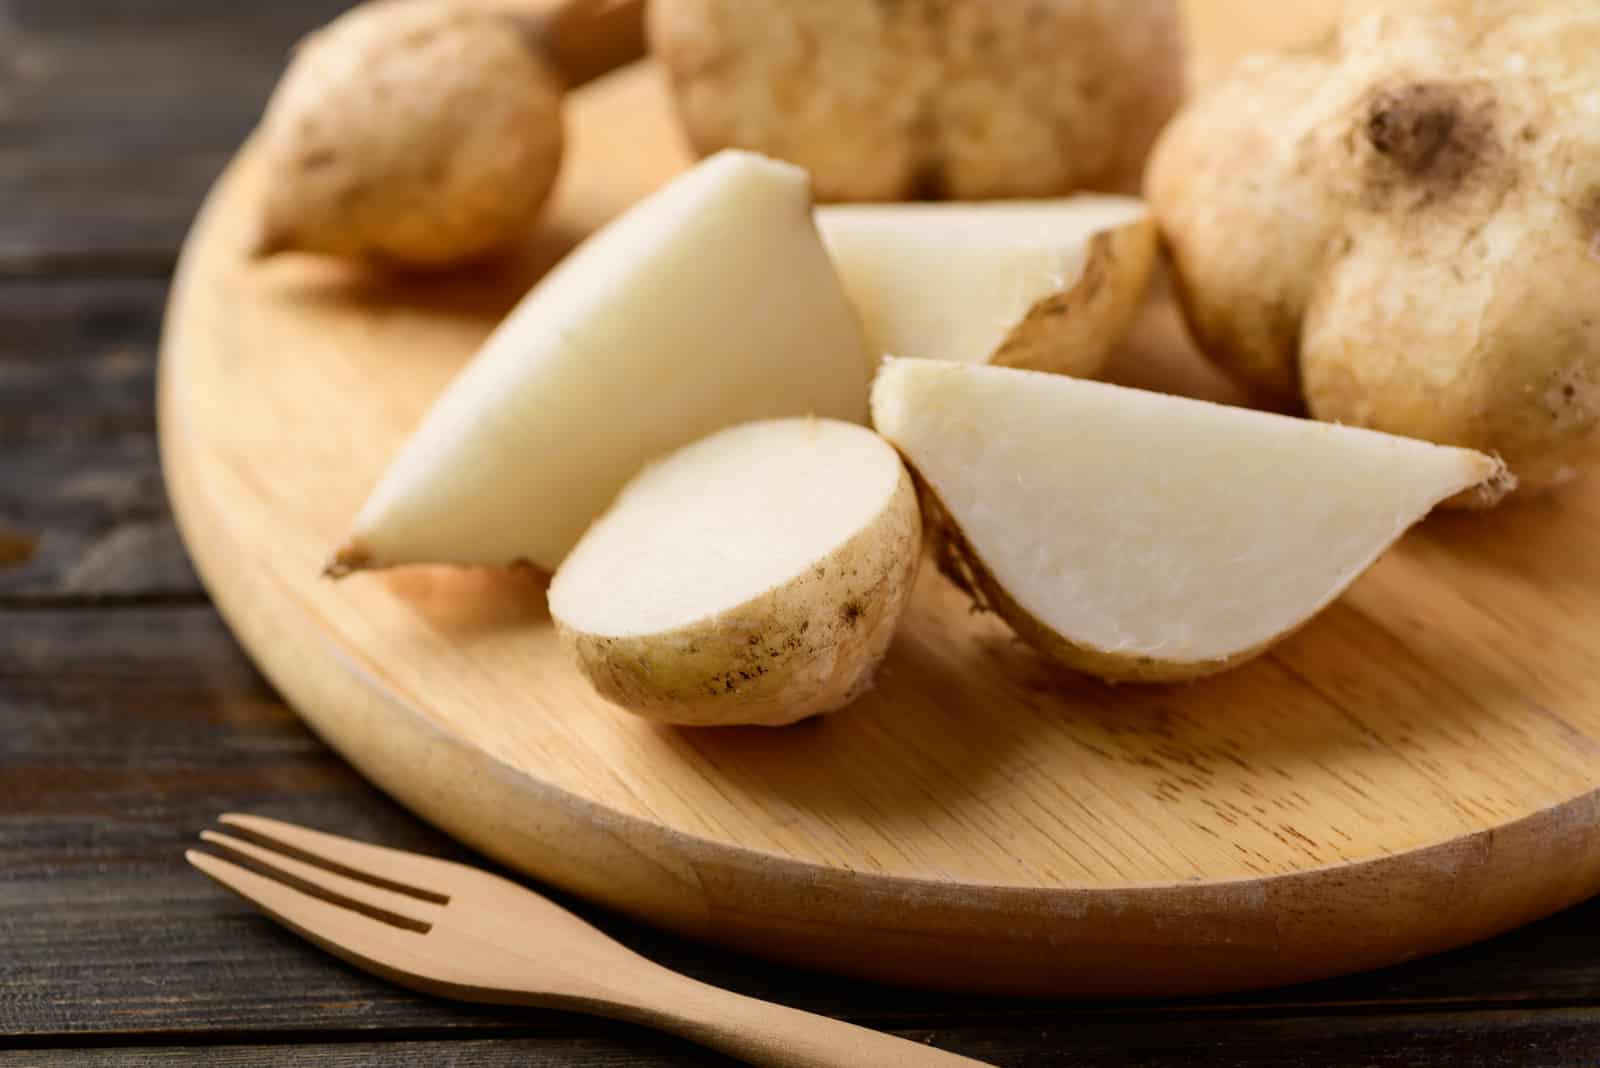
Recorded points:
(756, 576)
(1141, 536)
(709, 303)
(1050, 285)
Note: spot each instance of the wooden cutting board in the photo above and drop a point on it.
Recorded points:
(1417, 769)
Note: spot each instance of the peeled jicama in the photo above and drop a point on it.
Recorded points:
(709, 303)
(1137, 535)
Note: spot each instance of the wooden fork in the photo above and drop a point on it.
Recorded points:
(448, 929)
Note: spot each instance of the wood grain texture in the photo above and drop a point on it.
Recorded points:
(627, 1050)
(1414, 771)
(81, 498)
(128, 729)
(1564, 1039)
(115, 117)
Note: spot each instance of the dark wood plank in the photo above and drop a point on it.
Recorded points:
(127, 730)
(638, 1049)
(1557, 1039)
(83, 514)
(116, 115)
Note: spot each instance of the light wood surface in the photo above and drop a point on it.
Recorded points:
(1417, 769)
(1223, 31)
(458, 932)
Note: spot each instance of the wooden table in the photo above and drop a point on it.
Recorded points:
(128, 716)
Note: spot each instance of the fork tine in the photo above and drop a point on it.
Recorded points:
(364, 942)
(399, 909)
(409, 873)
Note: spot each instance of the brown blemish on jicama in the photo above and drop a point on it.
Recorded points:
(350, 558)
(1589, 222)
(1433, 137)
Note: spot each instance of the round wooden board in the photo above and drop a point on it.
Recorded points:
(1417, 769)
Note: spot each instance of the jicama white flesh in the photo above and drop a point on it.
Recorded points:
(754, 577)
(1136, 535)
(709, 303)
(1050, 285)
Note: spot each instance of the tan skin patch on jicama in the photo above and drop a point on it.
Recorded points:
(955, 559)
(1589, 221)
(317, 158)
(767, 645)
(1047, 340)
(1276, 329)
(1102, 259)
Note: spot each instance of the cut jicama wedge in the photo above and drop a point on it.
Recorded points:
(709, 303)
(1142, 536)
(1050, 285)
(753, 577)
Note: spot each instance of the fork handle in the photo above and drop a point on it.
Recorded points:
(773, 1036)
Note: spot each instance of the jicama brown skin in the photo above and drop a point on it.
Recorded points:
(754, 577)
(1050, 285)
(957, 99)
(418, 133)
(1402, 226)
